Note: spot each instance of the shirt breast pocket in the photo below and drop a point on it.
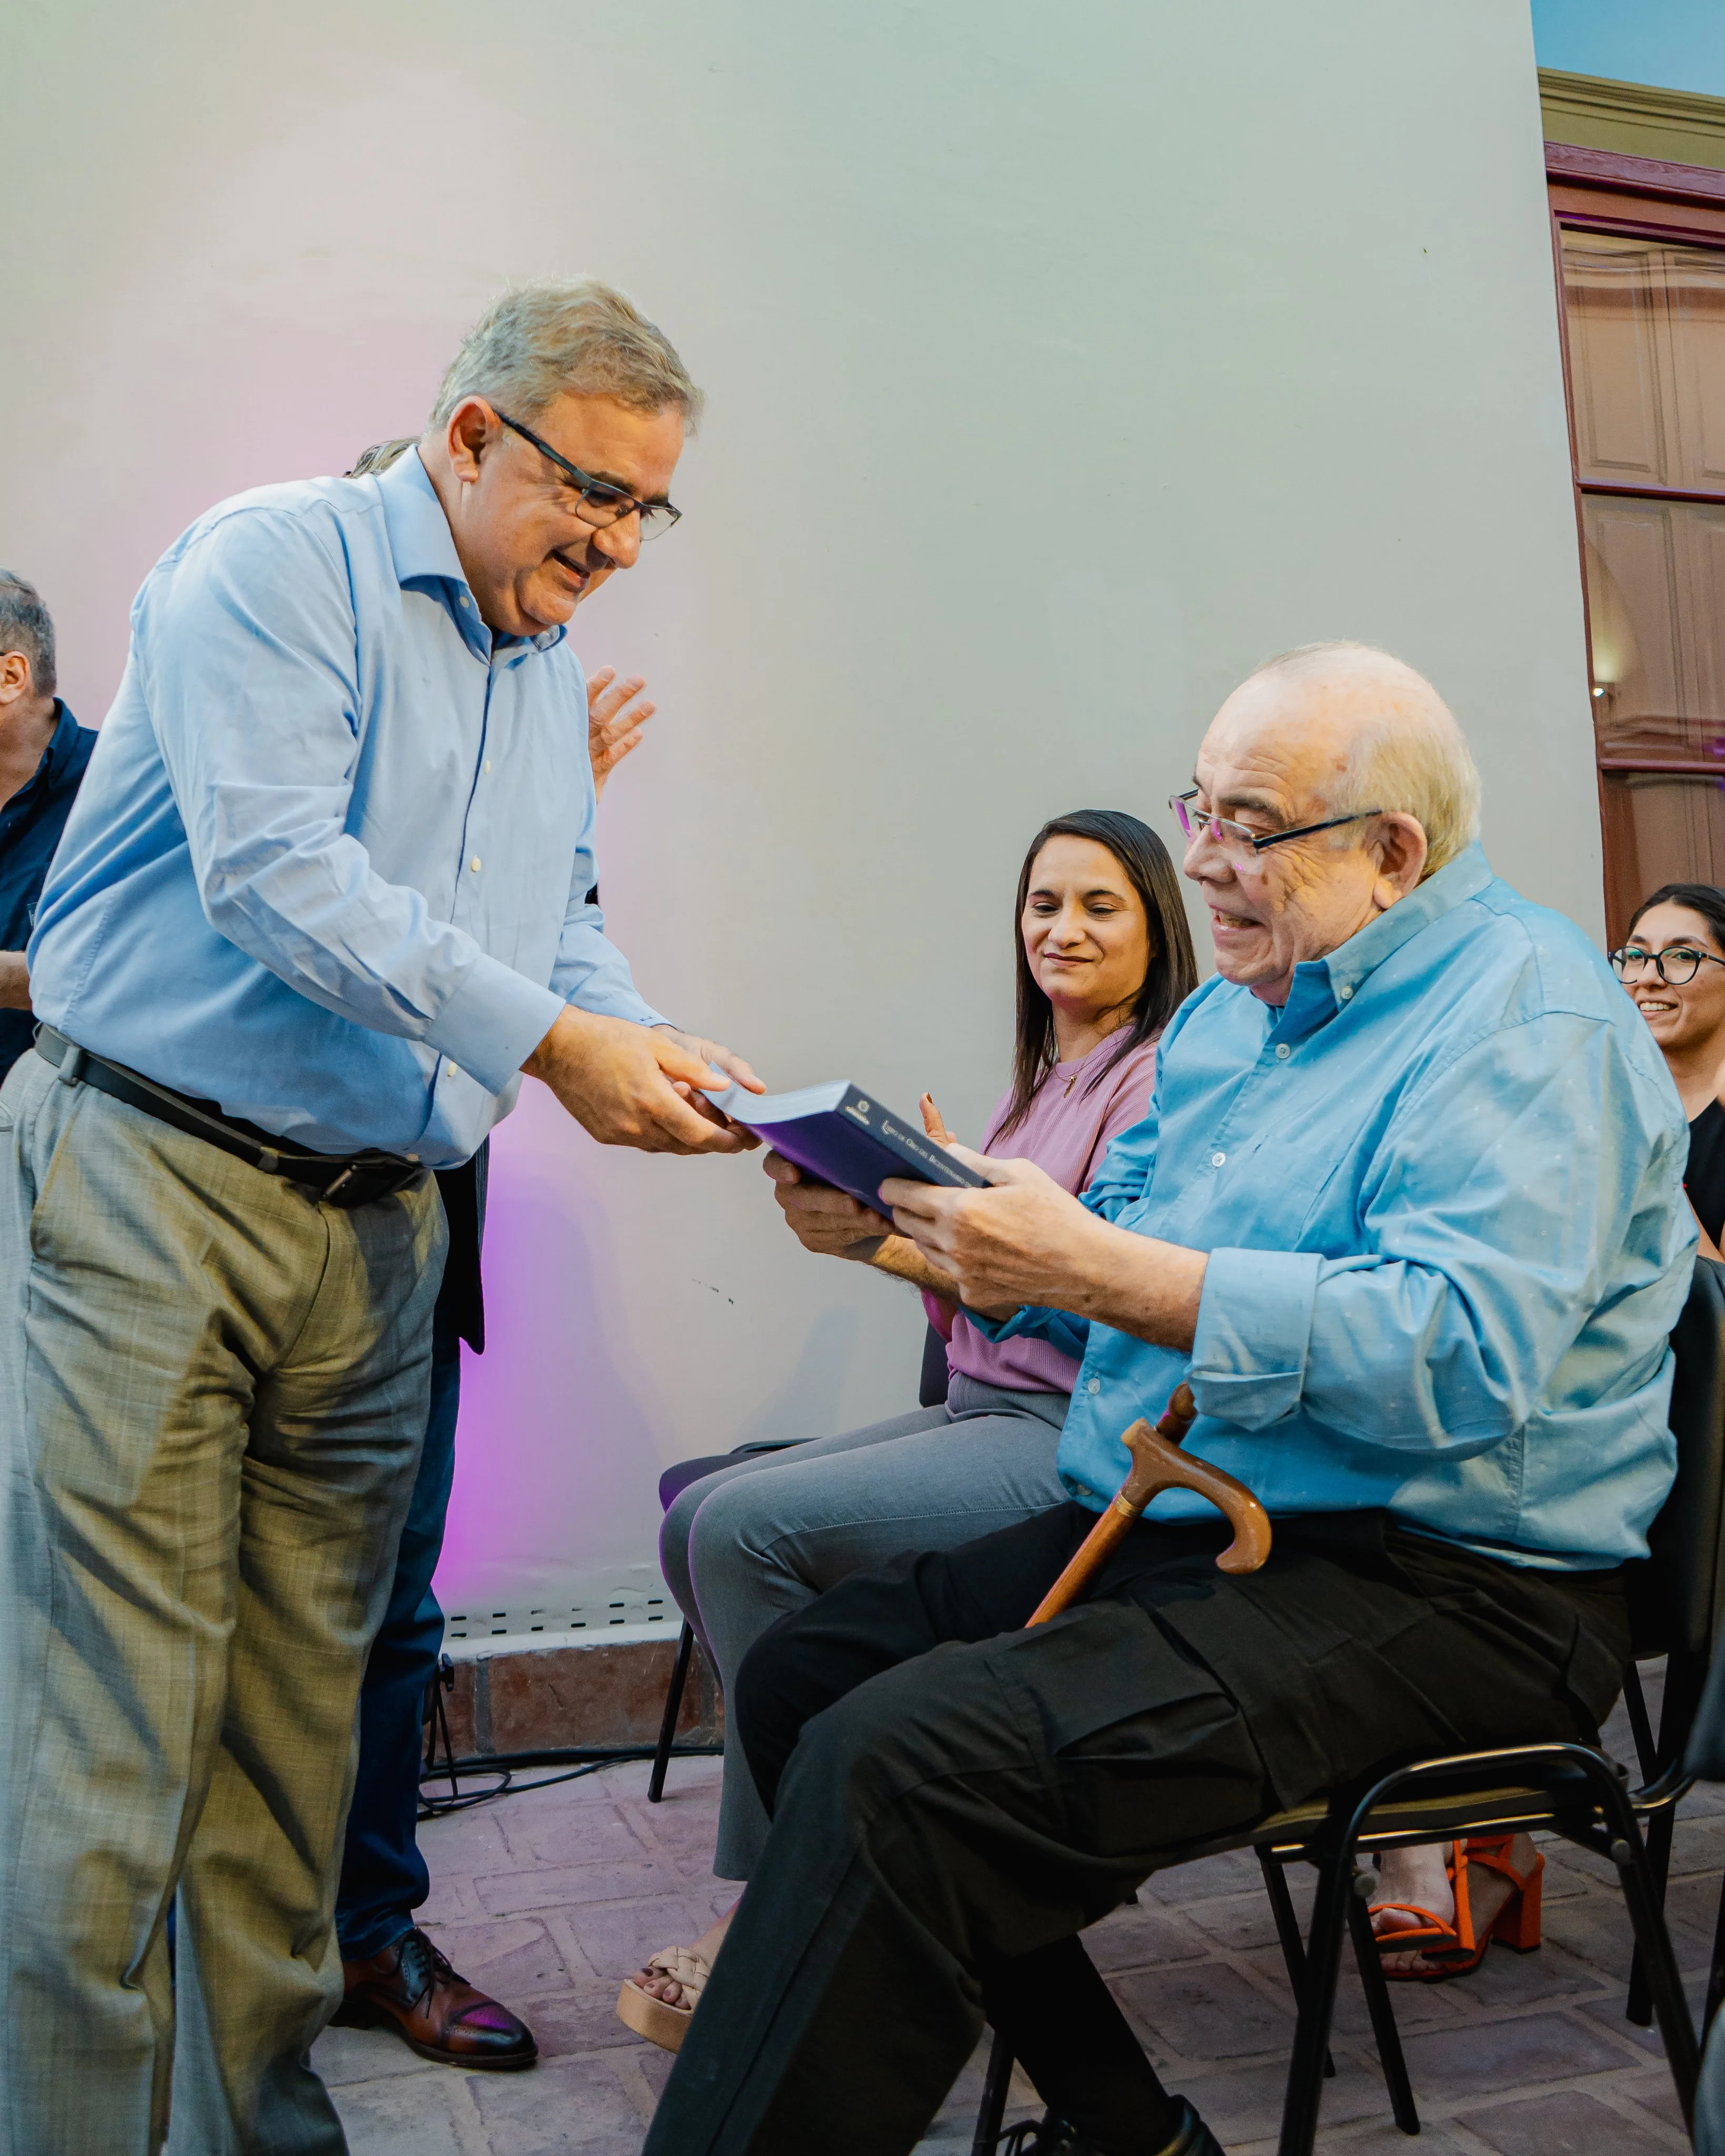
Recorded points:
(1296, 1184)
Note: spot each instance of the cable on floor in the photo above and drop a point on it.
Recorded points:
(442, 1766)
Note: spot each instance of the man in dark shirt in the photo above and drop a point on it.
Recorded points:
(42, 753)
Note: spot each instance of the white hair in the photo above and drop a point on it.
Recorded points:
(560, 336)
(1413, 757)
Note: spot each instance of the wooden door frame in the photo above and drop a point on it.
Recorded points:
(1641, 198)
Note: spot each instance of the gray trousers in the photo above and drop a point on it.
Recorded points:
(212, 1390)
(750, 1543)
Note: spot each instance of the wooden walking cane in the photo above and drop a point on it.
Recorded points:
(1159, 1464)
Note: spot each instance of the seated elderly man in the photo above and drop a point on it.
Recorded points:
(1407, 1212)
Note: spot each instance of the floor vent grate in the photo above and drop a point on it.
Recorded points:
(594, 1605)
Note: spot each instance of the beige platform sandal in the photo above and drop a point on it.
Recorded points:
(654, 2019)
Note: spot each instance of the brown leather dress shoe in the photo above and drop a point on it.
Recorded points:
(412, 1988)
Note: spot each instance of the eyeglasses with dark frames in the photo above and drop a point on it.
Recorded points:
(597, 502)
(1238, 839)
(1676, 966)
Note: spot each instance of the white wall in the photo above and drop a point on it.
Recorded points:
(1063, 362)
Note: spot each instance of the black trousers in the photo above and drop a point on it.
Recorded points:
(953, 1796)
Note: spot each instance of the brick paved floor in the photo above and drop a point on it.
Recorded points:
(547, 1899)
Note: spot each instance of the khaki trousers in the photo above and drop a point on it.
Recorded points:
(212, 1390)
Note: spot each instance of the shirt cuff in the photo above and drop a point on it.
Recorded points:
(1254, 1334)
(1006, 1328)
(621, 1002)
(494, 1022)
(1068, 1335)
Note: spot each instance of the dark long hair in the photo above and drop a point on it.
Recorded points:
(1169, 978)
(1706, 898)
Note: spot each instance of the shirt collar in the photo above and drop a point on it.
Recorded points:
(1322, 985)
(61, 744)
(423, 552)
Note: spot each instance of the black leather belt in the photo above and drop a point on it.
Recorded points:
(341, 1180)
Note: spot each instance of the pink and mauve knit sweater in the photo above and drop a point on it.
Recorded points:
(1066, 1133)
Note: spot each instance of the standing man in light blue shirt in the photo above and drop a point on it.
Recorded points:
(1407, 1214)
(325, 897)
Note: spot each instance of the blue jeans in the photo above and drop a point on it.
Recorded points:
(383, 1876)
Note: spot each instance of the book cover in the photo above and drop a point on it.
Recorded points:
(843, 1136)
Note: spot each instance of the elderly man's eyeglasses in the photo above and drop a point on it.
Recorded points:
(1239, 840)
(597, 501)
(1674, 967)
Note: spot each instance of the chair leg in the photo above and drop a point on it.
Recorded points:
(996, 2084)
(1318, 2002)
(1659, 1965)
(1653, 1944)
(1639, 2006)
(1684, 1677)
(1376, 1986)
(1287, 1930)
(1634, 1701)
(673, 1708)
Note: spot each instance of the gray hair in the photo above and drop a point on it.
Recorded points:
(1413, 758)
(27, 626)
(560, 336)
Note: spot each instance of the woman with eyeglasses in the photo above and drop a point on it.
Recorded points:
(1673, 965)
(1103, 959)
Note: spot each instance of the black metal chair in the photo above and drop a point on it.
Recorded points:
(931, 1393)
(1677, 1596)
(1677, 1599)
(1705, 1760)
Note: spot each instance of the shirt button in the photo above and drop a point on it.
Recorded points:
(1283, 1051)
(1346, 990)
(448, 1070)
(1094, 1386)
(488, 763)
(475, 864)
(1219, 1160)
(465, 601)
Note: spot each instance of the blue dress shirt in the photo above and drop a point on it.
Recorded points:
(1442, 1193)
(329, 867)
(30, 827)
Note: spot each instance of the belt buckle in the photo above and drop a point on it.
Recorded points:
(363, 1185)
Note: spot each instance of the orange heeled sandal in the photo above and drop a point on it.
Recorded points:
(1452, 1948)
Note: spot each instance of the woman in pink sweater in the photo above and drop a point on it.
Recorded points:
(1104, 959)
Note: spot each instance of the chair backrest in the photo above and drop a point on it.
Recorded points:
(931, 1389)
(1678, 1597)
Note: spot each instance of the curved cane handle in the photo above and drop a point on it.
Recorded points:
(1159, 1464)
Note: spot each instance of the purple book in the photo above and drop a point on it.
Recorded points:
(843, 1136)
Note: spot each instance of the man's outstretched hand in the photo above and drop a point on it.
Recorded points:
(733, 1066)
(640, 1085)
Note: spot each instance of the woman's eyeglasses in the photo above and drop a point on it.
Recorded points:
(1676, 966)
(597, 501)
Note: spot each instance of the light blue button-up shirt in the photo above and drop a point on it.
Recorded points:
(1441, 1192)
(330, 865)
